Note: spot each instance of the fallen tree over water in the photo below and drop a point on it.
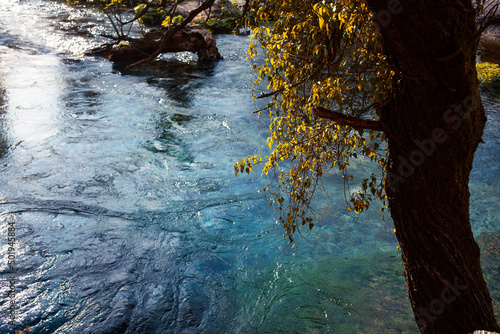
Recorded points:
(176, 37)
(191, 38)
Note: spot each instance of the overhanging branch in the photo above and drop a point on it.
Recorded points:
(342, 119)
(205, 5)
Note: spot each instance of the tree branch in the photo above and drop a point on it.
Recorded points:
(488, 20)
(244, 12)
(342, 119)
(207, 4)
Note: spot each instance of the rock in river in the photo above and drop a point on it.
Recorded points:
(191, 38)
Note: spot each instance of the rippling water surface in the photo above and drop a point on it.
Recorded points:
(128, 218)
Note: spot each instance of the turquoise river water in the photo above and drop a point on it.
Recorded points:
(119, 188)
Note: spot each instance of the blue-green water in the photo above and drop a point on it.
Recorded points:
(127, 214)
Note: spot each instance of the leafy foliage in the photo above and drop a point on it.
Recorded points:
(169, 20)
(122, 14)
(226, 21)
(150, 16)
(323, 54)
(488, 72)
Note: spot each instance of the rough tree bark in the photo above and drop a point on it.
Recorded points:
(434, 123)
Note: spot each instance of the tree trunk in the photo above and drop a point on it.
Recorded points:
(434, 123)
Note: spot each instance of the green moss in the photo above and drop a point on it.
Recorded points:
(225, 20)
(221, 26)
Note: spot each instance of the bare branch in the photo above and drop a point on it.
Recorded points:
(487, 50)
(342, 119)
(487, 21)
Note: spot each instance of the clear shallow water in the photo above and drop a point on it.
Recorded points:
(128, 216)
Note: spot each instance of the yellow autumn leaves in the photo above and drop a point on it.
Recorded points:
(318, 54)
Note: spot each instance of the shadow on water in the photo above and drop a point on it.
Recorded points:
(180, 78)
(80, 97)
(179, 75)
(166, 140)
(7, 39)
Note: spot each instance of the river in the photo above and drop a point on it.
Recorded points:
(119, 189)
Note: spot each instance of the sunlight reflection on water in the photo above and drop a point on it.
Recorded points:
(128, 216)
